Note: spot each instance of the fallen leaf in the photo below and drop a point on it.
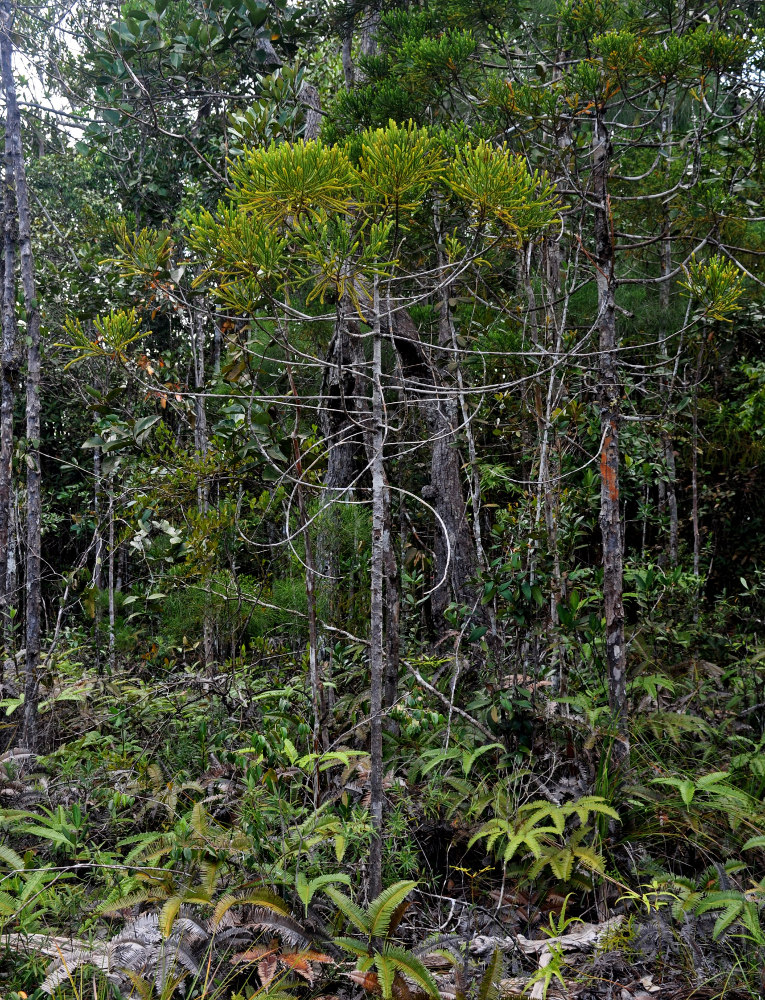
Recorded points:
(267, 968)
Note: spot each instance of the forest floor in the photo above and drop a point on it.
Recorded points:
(181, 838)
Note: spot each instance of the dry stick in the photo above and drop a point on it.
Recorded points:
(34, 495)
(447, 703)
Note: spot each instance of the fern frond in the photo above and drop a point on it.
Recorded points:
(14, 861)
(168, 913)
(257, 897)
(132, 899)
(348, 908)
(381, 910)
(488, 988)
(412, 968)
(358, 948)
(386, 971)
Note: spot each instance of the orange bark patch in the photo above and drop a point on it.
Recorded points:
(607, 473)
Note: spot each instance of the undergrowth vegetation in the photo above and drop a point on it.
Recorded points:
(186, 835)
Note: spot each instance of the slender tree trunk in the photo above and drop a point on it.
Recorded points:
(111, 583)
(99, 555)
(376, 639)
(695, 474)
(34, 495)
(320, 731)
(9, 640)
(392, 611)
(346, 54)
(9, 362)
(665, 266)
(197, 318)
(671, 497)
(609, 391)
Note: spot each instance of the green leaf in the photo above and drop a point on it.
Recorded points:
(352, 945)
(302, 888)
(381, 909)
(469, 759)
(413, 968)
(348, 908)
(386, 971)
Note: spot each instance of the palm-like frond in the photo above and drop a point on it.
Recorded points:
(263, 898)
(412, 968)
(381, 910)
(349, 909)
(488, 988)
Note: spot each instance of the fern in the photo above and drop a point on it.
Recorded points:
(488, 988)
(735, 906)
(307, 890)
(258, 897)
(349, 909)
(382, 909)
(534, 826)
(412, 967)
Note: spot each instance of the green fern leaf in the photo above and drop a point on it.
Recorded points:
(348, 908)
(352, 945)
(167, 915)
(413, 968)
(589, 858)
(750, 918)
(258, 897)
(126, 902)
(754, 842)
(488, 988)
(727, 917)
(381, 910)
(386, 971)
(14, 861)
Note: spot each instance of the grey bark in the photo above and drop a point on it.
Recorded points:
(9, 376)
(111, 583)
(197, 320)
(34, 496)
(454, 548)
(99, 554)
(609, 391)
(376, 639)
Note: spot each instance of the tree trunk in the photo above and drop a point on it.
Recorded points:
(671, 496)
(320, 732)
(111, 584)
(34, 496)
(376, 639)
(99, 555)
(456, 561)
(9, 361)
(609, 392)
(197, 319)
(346, 54)
(9, 639)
